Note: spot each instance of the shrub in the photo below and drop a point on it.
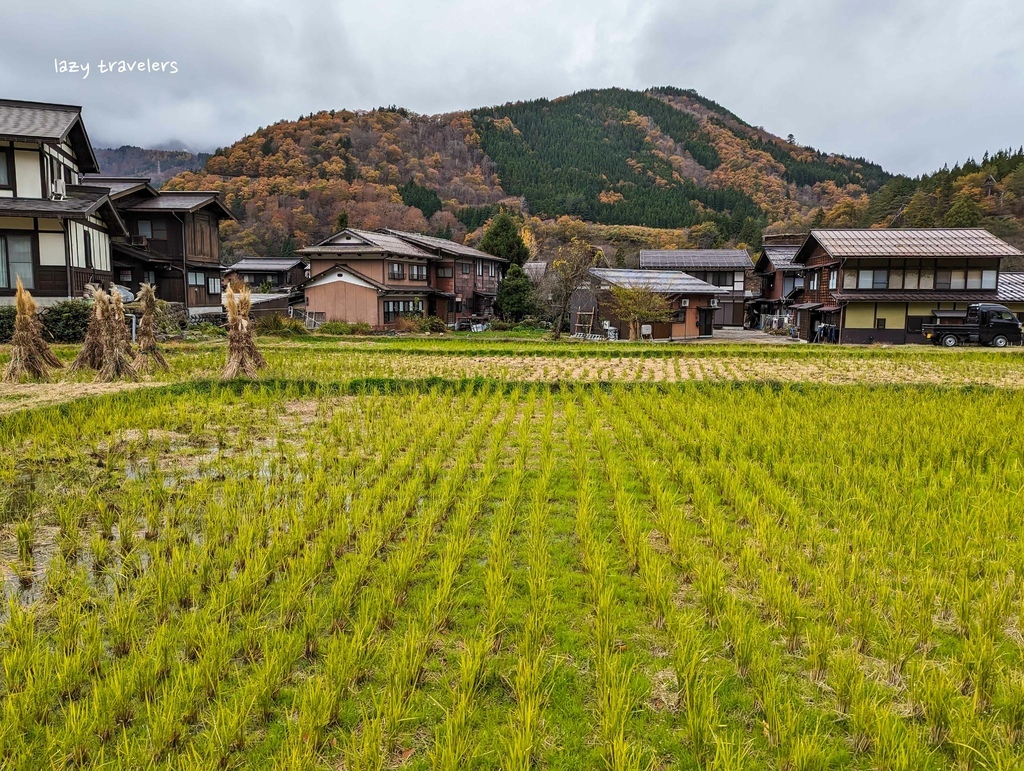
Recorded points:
(433, 324)
(501, 326)
(7, 314)
(344, 328)
(67, 321)
(280, 326)
(416, 323)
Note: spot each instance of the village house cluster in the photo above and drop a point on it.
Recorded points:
(64, 225)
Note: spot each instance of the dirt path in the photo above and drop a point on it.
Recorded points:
(23, 396)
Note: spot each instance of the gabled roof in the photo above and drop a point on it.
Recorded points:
(258, 264)
(660, 281)
(775, 258)
(353, 241)
(1011, 287)
(119, 187)
(441, 245)
(695, 259)
(535, 269)
(81, 202)
(342, 267)
(121, 249)
(925, 242)
(45, 122)
(182, 201)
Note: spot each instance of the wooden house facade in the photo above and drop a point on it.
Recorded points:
(881, 286)
(731, 270)
(55, 230)
(693, 302)
(376, 277)
(278, 274)
(781, 279)
(173, 241)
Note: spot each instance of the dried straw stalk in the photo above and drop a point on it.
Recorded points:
(31, 357)
(149, 355)
(91, 354)
(243, 357)
(117, 348)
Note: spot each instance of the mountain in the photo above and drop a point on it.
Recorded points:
(630, 162)
(159, 165)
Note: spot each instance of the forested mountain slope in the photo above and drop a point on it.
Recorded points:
(158, 165)
(664, 158)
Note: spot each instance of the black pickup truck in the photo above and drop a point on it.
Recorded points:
(985, 324)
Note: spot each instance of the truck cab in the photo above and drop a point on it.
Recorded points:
(982, 323)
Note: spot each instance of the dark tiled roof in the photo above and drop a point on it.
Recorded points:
(1011, 287)
(82, 201)
(917, 297)
(41, 121)
(259, 264)
(120, 186)
(661, 281)
(695, 259)
(122, 249)
(186, 201)
(926, 242)
(443, 244)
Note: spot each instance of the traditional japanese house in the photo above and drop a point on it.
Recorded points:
(378, 276)
(173, 241)
(693, 302)
(881, 286)
(55, 231)
(728, 269)
(278, 274)
(781, 278)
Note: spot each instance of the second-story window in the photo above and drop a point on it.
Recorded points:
(145, 228)
(813, 281)
(465, 269)
(159, 230)
(479, 267)
(88, 250)
(396, 271)
(5, 172)
(444, 271)
(490, 269)
(418, 272)
(833, 278)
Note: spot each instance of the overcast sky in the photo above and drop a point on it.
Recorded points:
(910, 84)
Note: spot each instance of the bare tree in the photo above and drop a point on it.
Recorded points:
(569, 272)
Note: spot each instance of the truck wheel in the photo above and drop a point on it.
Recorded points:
(999, 341)
(949, 341)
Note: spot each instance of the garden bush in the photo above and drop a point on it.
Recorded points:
(67, 321)
(280, 326)
(7, 314)
(345, 328)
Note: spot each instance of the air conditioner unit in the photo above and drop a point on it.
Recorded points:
(714, 302)
(684, 303)
(58, 189)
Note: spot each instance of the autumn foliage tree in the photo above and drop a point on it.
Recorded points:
(568, 273)
(638, 305)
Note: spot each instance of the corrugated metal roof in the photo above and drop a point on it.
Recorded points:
(72, 206)
(927, 242)
(118, 186)
(782, 256)
(695, 259)
(259, 264)
(177, 201)
(444, 244)
(918, 297)
(661, 281)
(535, 270)
(368, 241)
(1011, 287)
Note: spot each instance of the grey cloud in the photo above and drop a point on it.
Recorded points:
(908, 83)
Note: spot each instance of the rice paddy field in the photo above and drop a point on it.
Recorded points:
(434, 554)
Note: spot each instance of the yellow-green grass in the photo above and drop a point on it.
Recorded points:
(352, 565)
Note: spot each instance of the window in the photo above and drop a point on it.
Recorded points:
(739, 281)
(145, 228)
(927, 279)
(910, 278)
(125, 277)
(396, 271)
(833, 279)
(88, 249)
(458, 306)
(958, 279)
(213, 286)
(814, 281)
(865, 279)
(989, 279)
(915, 324)
(418, 272)
(943, 279)
(149, 276)
(880, 280)
(196, 278)
(974, 279)
(394, 308)
(16, 261)
(159, 230)
(720, 278)
(849, 279)
(465, 269)
(444, 271)
(491, 269)
(895, 279)
(879, 323)
(1001, 316)
(479, 267)
(5, 171)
